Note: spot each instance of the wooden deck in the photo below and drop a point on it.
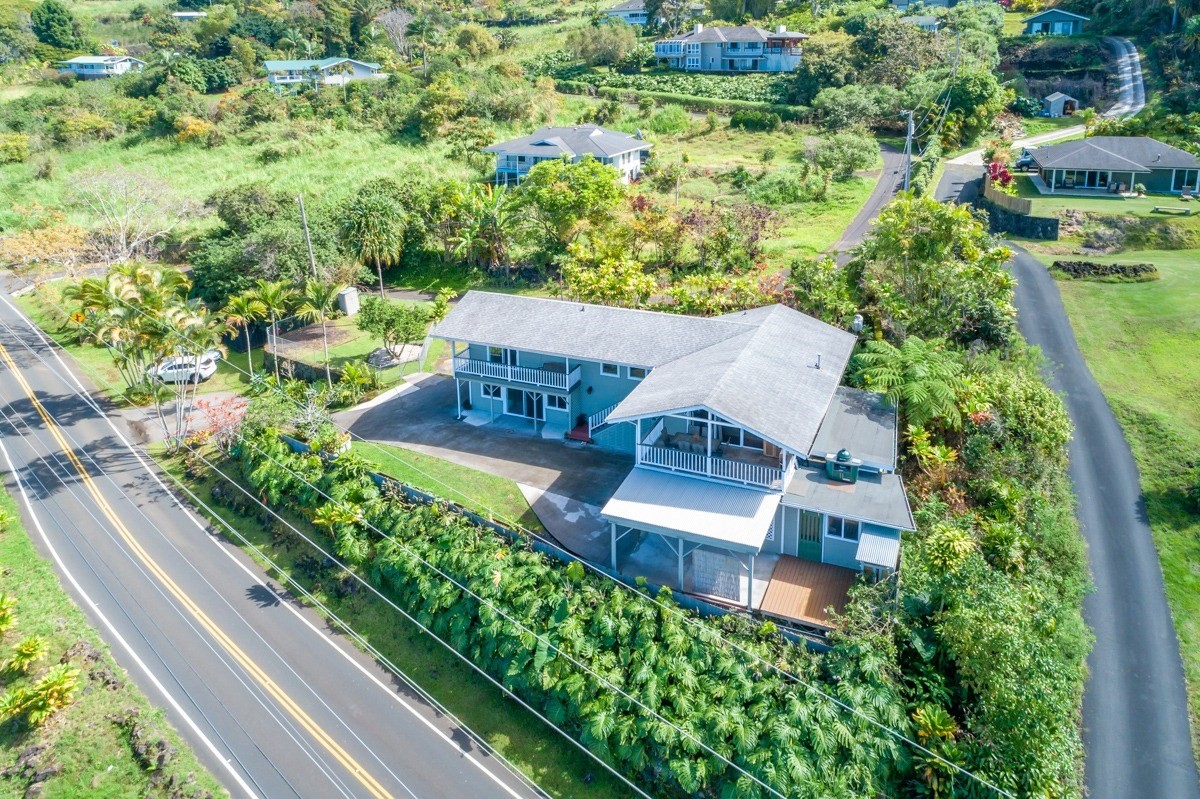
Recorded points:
(801, 590)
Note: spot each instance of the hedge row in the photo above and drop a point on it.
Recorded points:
(797, 742)
(1082, 270)
(789, 113)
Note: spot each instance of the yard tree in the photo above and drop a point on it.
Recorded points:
(607, 45)
(476, 41)
(484, 222)
(932, 270)
(605, 275)
(372, 226)
(243, 311)
(135, 212)
(277, 300)
(391, 322)
(921, 377)
(824, 290)
(560, 197)
(54, 24)
(316, 304)
(829, 60)
(841, 154)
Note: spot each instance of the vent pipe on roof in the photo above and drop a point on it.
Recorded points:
(818, 360)
(699, 27)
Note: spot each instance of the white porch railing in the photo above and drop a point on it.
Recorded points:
(755, 474)
(600, 417)
(543, 378)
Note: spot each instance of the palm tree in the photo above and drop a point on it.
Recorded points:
(921, 377)
(485, 217)
(277, 300)
(316, 304)
(373, 224)
(290, 40)
(242, 311)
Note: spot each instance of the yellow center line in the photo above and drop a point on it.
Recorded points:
(244, 660)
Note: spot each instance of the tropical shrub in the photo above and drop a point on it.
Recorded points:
(755, 120)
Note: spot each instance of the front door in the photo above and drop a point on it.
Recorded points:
(525, 403)
(800, 533)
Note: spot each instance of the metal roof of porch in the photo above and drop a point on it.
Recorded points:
(700, 511)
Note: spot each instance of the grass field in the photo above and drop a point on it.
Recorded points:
(93, 753)
(559, 767)
(1036, 126)
(486, 494)
(1142, 343)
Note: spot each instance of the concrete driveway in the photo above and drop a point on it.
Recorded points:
(423, 420)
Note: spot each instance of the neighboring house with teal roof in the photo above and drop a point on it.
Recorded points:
(90, 67)
(1055, 22)
(325, 71)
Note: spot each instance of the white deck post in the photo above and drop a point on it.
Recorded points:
(612, 534)
(458, 395)
(750, 586)
(680, 564)
(708, 447)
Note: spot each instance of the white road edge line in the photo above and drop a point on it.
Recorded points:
(62, 567)
(217, 542)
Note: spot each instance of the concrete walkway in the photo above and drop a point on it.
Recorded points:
(1131, 98)
(1135, 710)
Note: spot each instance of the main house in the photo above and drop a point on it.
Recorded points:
(760, 480)
(326, 71)
(515, 157)
(1055, 22)
(744, 48)
(90, 67)
(1115, 164)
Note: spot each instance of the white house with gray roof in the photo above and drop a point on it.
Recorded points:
(741, 48)
(1115, 164)
(91, 67)
(744, 445)
(514, 158)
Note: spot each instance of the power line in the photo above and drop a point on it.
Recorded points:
(895, 733)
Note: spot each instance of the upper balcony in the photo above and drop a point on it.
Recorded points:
(550, 375)
(710, 451)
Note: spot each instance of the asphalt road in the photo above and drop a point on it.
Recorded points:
(889, 183)
(274, 703)
(1135, 712)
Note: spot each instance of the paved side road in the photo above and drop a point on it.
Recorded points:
(1135, 712)
(272, 701)
(890, 181)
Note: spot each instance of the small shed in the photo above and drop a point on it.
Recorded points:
(1059, 105)
(1055, 22)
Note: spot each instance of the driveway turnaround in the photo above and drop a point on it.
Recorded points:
(275, 703)
(1135, 711)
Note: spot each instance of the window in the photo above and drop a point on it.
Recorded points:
(693, 63)
(692, 48)
(490, 391)
(637, 373)
(846, 529)
(556, 402)
(610, 369)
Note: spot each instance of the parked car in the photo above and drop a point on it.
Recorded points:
(1025, 162)
(186, 369)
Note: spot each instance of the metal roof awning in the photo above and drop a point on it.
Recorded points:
(878, 550)
(700, 511)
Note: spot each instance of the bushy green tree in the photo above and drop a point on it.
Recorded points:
(53, 23)
(606, 45)
(842, 154)
(391, 322)
(560, 197)
(476, 41)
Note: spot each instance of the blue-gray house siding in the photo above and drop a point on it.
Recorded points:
(1055, 22)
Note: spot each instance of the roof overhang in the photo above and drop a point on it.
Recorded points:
(1056, 11)
(693, 509)
(723, 419)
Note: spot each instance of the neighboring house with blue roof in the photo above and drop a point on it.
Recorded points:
(1055, 22)
(515, 157)
(326, 71)
(90, 67)
(741, 48)
(744, 443)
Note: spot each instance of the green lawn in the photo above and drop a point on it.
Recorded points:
(486, 494)
(1013, 24)
(1036, 126)
(1142, 343)
(1102, 203)
(556, 765)
(93, 753)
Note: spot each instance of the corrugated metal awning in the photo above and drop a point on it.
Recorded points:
(878, 550)
(696, 510)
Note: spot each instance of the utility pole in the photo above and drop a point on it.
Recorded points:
(312, 261)
(908, 138)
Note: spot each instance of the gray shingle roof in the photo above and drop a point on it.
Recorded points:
(581, 330)
(1054, 12)
(629, 5)
(732, 33)
(573, 141)
(1117, 153)
(875, 498)
(863, 422)
(757, 368)
(765, 378)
